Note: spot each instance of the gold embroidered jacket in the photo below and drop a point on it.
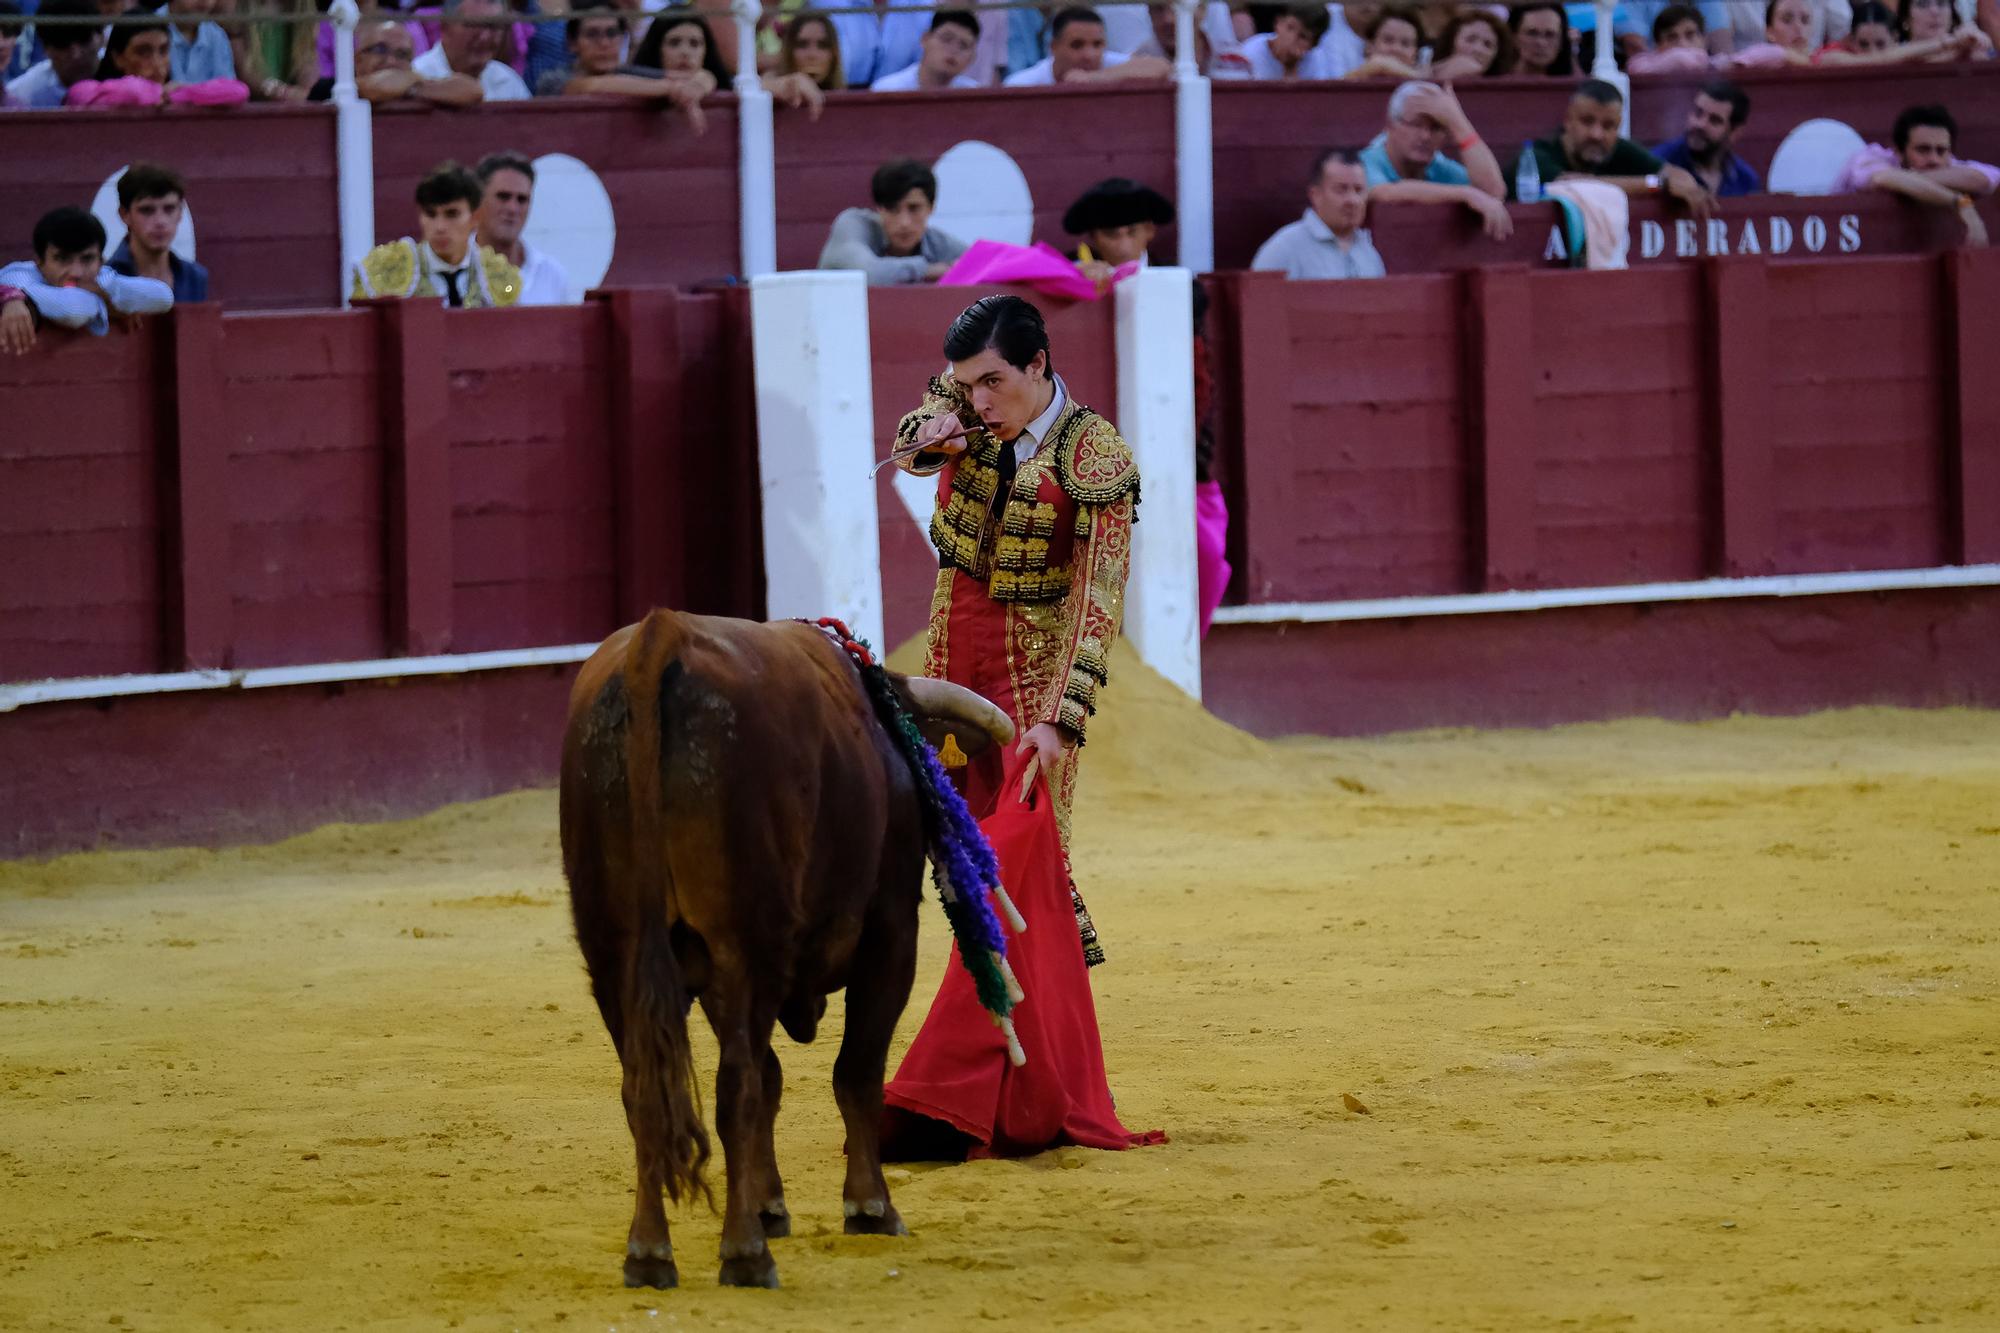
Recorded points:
(1057, 554)
(393, 269)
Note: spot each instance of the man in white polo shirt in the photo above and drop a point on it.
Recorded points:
(469, 48)
(1077, 54)
(948, 49)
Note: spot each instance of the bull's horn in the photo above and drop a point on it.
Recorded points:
(946, 702)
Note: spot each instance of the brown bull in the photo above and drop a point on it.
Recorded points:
(740, 829)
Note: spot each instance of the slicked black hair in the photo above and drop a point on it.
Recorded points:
(1007, 324)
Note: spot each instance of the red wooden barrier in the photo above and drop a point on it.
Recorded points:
(260, 185)
(259, 490)
(1432, 435)
(906, 328)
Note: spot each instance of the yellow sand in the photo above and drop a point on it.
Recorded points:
(1656, 1026)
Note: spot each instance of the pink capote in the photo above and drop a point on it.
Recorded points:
(1211, 540)
(956, 1072)
(131, 91)
(1040, 266)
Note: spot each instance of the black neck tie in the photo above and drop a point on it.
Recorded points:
(451, 277)
(1007, 464)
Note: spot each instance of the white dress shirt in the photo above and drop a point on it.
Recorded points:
(1042, 74)
(1030, 439)
(905, 81)
(497, 82)
(543, 279)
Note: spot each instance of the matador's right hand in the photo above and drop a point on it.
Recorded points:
(944, 434)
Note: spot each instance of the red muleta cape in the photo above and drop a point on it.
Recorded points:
(956, 1071)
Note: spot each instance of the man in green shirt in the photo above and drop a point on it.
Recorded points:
(1589, 145)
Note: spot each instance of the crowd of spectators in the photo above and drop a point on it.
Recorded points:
(219, 50)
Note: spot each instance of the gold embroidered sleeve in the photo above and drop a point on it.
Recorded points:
(1094, 611)
(943, 396)
(503, 280)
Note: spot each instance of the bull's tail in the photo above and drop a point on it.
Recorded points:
(660, 1100)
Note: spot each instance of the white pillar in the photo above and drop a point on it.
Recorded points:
(354, 150)
(1156, 417)
(1604, 63)
(815, 446)
(756, 153)
(1194, 148)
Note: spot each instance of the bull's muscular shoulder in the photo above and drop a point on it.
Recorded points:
(1093, 462)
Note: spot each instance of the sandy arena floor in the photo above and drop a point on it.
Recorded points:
(1656, 1026)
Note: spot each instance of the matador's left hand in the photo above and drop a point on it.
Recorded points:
(1050, 743)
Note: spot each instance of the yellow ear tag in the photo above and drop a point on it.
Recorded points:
(949, 754)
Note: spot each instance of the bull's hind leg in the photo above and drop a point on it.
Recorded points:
(770, 1195)
(745, 1038)
(886, 961)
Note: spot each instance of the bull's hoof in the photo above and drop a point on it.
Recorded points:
(877, 1217)
(647, 1271)
(750, 1270)
(777, 1220)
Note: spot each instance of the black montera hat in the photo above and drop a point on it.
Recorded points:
(1117, 203)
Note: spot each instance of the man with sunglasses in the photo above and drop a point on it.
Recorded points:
(1406, 164)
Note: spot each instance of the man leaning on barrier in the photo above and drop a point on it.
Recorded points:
(383, 52)
(1405, 163)
(1589, 145)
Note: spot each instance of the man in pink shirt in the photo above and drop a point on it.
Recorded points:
(1922, 168)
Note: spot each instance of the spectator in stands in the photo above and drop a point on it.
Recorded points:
(1403, 163)
(66, 284)
(947, 49)
(1162, 43)
(1393, 46)
(1922, 168)
(136, 51)
(1329, 240)
(1077, 54)
(443, 260)
(1872, 41)
(1589, 145)
(10, 43)
(1919, 21)
(383, 52)
(1475, 46)
(151, 202)
(1344, 47)
(893, 242)
(1290, 50)
(466, 46)
(1117, 220)
(1680, 43)
(1787, 40)
(507, 181)
(811, 47)
(200, 49)
(1544, 47)
(69, 56)
(1707, 147)
(873, 44)
(679, 42)
(596, 35)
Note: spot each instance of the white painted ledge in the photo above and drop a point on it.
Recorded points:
(1546, 599)
(263, 678)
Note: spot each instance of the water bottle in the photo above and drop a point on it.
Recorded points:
(1528, 176)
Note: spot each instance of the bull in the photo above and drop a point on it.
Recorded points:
(741, 830)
